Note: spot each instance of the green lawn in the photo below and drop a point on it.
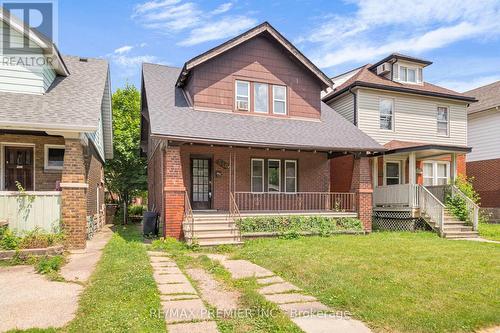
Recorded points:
(489, 231)
(122, 290)
(396, 282)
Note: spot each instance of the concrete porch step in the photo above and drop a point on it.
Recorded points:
(457, 228)
(216, 243)
(212, 233)
(463, 234)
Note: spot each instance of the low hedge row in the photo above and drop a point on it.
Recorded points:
(297, 224)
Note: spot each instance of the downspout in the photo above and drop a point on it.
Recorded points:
(355, 115)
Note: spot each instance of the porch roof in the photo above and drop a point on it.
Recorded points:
(397, 146)
(172, 117)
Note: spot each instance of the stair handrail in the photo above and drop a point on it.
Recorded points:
(431, 206)
(188, 214)
(472, 207)
(234, 211)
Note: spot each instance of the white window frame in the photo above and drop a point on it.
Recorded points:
(46, 165)
(241, 96)
(400, 173)
(440, 121)
(279, 175)
(295, 176)
(393, 101)
(406, 69)
(255, 96)
(435, 177)
(263, 174)
(280, 100)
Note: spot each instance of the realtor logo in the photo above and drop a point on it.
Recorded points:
(22, 18)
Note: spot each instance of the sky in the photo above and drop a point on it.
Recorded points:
(462, 38)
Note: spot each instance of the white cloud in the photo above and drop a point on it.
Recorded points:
(469, 84)
(130, 64)
(124, 49)
(379, 27)
(176, 16)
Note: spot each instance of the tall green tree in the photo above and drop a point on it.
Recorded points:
(126, 172)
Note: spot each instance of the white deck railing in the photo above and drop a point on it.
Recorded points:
(298, 201)
(472, 207)
(432, 207)
(403, 195)
(29, 210)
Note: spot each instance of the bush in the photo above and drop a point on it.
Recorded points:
(136, 210)
(48, 265)
(8, 240)
(34, 239)
(293, 226)
(457, 205)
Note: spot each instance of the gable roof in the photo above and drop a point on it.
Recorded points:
(488, 97)
(366, 78)
(399, 56)
(171, 116)
(263, 28)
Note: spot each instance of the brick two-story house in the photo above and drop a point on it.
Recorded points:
(241, 129)
(423, 128)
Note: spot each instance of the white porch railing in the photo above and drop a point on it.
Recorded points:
(298, 201)
(28, 210)
(472, 207)
(432, 207)
(404, 195)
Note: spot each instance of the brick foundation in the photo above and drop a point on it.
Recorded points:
(362, 184)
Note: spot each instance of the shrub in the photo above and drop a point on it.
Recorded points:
(34, 239)
(48, 265)
(136, 210)
(8, 239)
(457, 205)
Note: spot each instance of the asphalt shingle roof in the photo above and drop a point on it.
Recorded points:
(488, 97)
(171, 116)
(72, 102)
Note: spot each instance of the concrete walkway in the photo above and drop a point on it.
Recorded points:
(183, 309)
(30, 300)
(305, 311)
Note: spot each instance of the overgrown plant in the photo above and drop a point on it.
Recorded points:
(24, 201)
(457, 205)
(34, 239)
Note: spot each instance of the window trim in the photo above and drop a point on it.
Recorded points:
(392, 129)
(46, 165)
(254, 84)
(447, 135)
(406, 69)
(279, 172)
(435, 177)
(236, 95)
(295, 176)
(252, 176)
(400, 172)
(280, 100)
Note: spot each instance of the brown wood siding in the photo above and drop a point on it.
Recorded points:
(211, 85)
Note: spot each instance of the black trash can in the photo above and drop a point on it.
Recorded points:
(150, 223)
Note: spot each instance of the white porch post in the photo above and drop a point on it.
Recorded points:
(375, 172)
(453, 167)
(412, 169)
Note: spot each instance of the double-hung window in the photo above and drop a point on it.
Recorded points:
(436, 173)
(273, 175)
(443, 120)
(242, 95)
(386, 109)
(290, 176)
(279, 100)
(257, 175)
(407, 74)
(392, 173)
(261, 97)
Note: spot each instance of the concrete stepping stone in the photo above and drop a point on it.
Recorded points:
(184, 310)
(181, 288)
(322, 323)
(278, 288)
(242, 269)
(170, 278)
(157, 254)
(302, 309)
(167, 270)
(204, 326)
(177, 297)
(289, 298)
(163, 264)
(269, 280)
(160, 259)
(213, 292)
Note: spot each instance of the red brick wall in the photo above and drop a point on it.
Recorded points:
(341, 173)
(211, 85)
(362, 185)
(486, 181)
(174, 191)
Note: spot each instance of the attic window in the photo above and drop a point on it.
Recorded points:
(407, 74)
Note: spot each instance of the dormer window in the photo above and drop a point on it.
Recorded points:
(407, 74)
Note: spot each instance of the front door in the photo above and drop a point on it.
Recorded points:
(201, 183)
(18, 168)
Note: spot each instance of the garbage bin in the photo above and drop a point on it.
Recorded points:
(150, 223)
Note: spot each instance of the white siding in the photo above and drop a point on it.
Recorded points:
(415, 118)
(21, 78)
(344, 105)
(484, 135)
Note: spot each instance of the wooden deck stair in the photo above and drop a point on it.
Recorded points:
(453, 228)
(211, 229)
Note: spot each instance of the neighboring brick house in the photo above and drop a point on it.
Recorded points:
(483, 163)
(55, 135)
(422, 126)
(241, 129)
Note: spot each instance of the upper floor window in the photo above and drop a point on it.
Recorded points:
(279, 99)
(443, 120)
(261, 97)
(386, 109)
(407, 74)
(242, 95)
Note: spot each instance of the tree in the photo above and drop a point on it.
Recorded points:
(126, 172)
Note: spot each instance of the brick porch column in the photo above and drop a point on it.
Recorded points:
(361, 184)
(174, 192)
(74, 195)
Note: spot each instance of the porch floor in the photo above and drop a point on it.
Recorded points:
(244, 213)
